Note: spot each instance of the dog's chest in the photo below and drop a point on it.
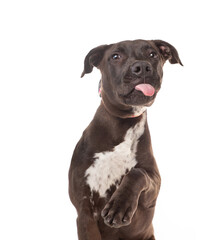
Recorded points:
(109, 166)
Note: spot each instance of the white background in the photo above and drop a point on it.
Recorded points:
(45, 106)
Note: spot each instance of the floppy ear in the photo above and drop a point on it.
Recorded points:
(93, 58)
(168, 52)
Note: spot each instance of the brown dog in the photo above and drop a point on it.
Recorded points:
(113, 179)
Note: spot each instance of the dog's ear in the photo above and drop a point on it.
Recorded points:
(168, 51)
(93, 58)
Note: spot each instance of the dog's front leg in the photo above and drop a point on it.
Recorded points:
(123, 204)
(86, 224)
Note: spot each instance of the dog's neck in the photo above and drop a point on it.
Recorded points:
(121, 111)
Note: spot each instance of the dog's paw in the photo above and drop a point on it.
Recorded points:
(119, 211)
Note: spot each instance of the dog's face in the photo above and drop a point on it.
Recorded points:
(131, 70)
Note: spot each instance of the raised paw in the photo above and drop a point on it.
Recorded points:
(119, 211)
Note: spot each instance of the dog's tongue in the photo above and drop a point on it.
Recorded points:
(147, 89)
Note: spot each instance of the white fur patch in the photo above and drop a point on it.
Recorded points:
(110, 166)
(138, 110)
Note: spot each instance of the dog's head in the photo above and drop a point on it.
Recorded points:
(131, 70)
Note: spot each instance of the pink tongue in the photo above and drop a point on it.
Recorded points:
(147, 89)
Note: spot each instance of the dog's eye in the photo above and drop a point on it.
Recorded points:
(152, 55)
(116, 56)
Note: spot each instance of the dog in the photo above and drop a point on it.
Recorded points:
(114, 180)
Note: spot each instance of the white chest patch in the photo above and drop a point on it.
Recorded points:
(110, 166)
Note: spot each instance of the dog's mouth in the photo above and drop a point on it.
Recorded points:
(140, 94)
(144, 84)
(143, 89)
(138, 91)
(147, 89)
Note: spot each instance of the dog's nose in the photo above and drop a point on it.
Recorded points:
(139, 68)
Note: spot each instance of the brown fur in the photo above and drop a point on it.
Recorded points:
(125, 213)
